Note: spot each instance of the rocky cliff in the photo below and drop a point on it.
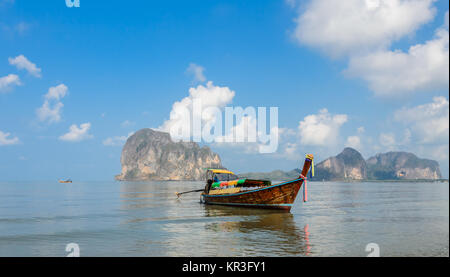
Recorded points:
(348, 165)
(402, 165)
(152, 155)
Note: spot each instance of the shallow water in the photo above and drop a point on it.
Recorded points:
(146, 219)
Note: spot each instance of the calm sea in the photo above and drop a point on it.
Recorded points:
(146, 219)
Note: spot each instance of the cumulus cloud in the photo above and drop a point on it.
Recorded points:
(438, 152)
(245, 129)
(387, 140)
(321, 129)
(21, 62)
(290, 151)
(50, 112)
(184, 114)
(116, 141)
(424, 67)
(197, 72)
(354, 142)
(364, 30)
(242, 135)
(6, 139)
(56, 93)
(342, 28)
(429, 123)
(51, 109)
(203, 116)
(7, 82)
(76, 133)
(421, 129)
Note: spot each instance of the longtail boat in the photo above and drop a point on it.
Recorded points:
(65, 181)
(223, 187)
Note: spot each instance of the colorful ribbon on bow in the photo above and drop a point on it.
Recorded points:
(311, 158)
(305, 189)
(311, 174)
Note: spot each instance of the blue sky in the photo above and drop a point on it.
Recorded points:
(124, 64)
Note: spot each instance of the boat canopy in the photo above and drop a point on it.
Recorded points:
(223, 171)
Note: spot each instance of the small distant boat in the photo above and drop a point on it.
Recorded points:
(223, 187)
(65, 181)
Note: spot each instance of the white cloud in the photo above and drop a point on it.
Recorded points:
(242, 135)
(288, 144)
(76, 133)
(116, 141)
(21, 62)
(51, 110)
(291, 148)
(4, 140)
(8, 81)
(341, 28)
(423, 68)
(406, 137)
(429, 122)
(422, 130)
(354, 142)
(387, 140)
(290, 151)
(249, 131)
(286, 132)
(199, 117)
(437, 152)
(56, 93)
(197, 71)
(244, 130)
(364, 30)
(321, 129)
(183, 113)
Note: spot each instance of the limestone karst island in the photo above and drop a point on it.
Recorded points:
(153, 155)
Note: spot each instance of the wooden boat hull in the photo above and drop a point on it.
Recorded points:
(277, 196)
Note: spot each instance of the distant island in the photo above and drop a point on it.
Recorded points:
(152, 155)
(349, 165)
